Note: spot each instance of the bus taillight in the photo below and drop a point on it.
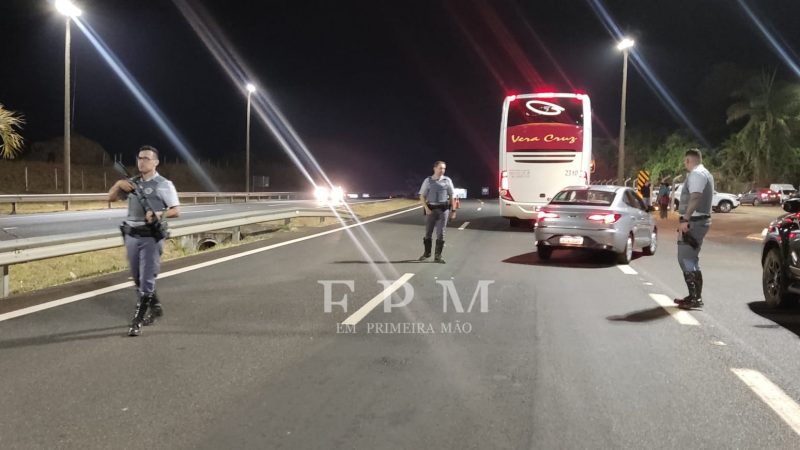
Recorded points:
(505, 194)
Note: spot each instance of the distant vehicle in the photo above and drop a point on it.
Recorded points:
(786, 191)
(333, 196)
(758, 196)
(721, 202)
(607, 218)
(545, 145)
(460, 192)
(780, 270)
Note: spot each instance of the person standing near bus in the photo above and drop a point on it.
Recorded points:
(646, 192)
(438, 200)
(663, 199)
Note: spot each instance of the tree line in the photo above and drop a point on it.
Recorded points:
(762, 145)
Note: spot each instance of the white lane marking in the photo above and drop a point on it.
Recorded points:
(10, 228)
(464, 225)
(116, 287)
(627, 270)
(480, 209)
(755, 237)
(772, 395)
(64, 301)
(719, 343)
(683, 317)
(378, 299)
(202, 210)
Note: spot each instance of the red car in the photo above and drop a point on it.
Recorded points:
(762, 195)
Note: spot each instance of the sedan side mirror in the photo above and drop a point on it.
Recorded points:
(792, 205)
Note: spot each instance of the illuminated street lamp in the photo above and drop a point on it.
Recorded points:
(250, 90)
(624, 46)
(68, 9)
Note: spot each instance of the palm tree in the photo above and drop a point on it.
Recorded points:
(772, 110)
(10, 139)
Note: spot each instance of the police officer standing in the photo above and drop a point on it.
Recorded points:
(695, 219)
(144, 250)
(438, 200)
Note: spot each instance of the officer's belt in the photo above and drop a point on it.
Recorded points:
(699, 218)
(443, 206)
(140, 231)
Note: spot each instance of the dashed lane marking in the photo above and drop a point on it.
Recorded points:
(772, 395)
(683, 317)
(377, 300)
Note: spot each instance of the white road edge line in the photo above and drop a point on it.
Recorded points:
(464, 225)
(772, 395)
(378, 299)
(116, 287)
(683, 317)
(627, 270)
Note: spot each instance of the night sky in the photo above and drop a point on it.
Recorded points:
(377, 90)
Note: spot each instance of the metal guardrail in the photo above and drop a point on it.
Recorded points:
(33, 249)
(15, 199)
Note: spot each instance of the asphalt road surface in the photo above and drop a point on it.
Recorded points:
(48, 224)
(573, 353)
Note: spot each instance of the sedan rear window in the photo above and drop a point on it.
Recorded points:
(584, 197)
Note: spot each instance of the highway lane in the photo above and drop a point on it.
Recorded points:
(572, 353)
(48, 224)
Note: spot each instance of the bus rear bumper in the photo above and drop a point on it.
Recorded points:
(517, 210)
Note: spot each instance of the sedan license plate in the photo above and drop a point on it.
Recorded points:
(570, 240)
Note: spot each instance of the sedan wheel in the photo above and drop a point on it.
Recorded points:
(773, 281)
(626, 255)
(544, 252)
(651, 249)
(725, 207)
(756, 202)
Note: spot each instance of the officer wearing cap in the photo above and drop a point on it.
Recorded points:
(695, 203)
(143, 249)
(438, 200)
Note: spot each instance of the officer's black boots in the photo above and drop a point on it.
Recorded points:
(437, 256)
(426, 242)
(154, 312)
(694, 281)
(689, 278)
(138, 317)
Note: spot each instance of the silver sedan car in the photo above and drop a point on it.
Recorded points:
(608, 218)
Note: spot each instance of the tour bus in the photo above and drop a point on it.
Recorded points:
(545, 146)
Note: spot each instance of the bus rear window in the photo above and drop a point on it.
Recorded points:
(523, 111)
(584, 197)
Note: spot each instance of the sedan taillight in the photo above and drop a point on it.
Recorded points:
(544, 215)
(606, 218)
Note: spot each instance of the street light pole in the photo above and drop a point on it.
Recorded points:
(68, 9)
(250, 90)
(67, 125)
(624, 45)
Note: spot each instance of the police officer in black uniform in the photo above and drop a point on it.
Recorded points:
(439, 202)
(143, 245)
